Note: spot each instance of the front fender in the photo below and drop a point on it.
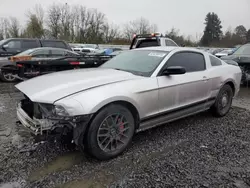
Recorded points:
(6, 64)
(90, 103)
(115, 99)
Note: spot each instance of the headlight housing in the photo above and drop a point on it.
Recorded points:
(60, 111)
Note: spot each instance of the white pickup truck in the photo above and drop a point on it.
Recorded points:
(148, 40)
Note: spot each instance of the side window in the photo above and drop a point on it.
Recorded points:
(48, 44)
(60, 45)
(170, 43)
(27, 44)
(191, 61)
(55, 44)
(41, 53)
(56, 53)
(14, 44)
(214, 61)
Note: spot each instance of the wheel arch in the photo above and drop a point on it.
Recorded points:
(232, 84)
(81, 136)
(128, 103)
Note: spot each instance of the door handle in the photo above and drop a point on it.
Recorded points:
(205, 78)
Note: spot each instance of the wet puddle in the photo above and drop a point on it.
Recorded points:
(99, 180)
(59, 164)
(82, 184)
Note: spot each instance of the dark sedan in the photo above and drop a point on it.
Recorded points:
(35, 53)
(242, 57)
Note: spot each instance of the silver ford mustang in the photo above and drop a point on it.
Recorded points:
(136, 90)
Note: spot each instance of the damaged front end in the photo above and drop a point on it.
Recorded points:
(41, 118)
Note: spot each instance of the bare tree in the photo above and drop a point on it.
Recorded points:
(96, 21)
(138, 26)
(4, 27)
(79, 23)
(110, 32)
(65, 21)
(14, 27)
(54, 17)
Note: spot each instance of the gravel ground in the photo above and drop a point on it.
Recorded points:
(199, 151)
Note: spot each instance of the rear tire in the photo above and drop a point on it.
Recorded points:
(223, 101)
(110, 132)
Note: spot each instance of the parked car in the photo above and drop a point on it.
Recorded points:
(136, 90)
(35, 53)
(106, 51)
(114, 53)
(242, 57)
(31, 68)
(223, 53)
(86, 48)
(149, 40)
(13, 46)
(215, 51)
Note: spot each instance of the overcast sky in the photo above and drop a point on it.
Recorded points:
(186, 15)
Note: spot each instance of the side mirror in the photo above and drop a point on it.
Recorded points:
(174, 70)
(230, 53)
(5, 46)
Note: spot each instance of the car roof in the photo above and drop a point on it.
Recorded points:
(169, 48)
(49, 48)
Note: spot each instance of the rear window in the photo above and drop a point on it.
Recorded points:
(147, 43)
(55, 44)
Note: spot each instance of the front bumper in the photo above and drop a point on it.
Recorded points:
(77, 124)
(28, 122)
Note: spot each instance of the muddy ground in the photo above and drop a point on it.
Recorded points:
(199, 151)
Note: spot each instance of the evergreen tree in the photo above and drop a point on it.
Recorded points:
(248, 35)
(212, 32)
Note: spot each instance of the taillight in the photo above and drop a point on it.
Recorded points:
(75, 63)
(19, 65)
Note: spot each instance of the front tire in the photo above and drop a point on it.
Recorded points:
(110, 132)
(7, 77)
(223, 101)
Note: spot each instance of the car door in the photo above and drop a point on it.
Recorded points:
(177, 91)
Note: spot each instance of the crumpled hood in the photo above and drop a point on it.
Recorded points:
(52, 87)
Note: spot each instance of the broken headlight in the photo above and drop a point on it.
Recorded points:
(60, 111)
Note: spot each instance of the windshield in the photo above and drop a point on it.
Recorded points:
(2, 42)
(243, 50)
(139, 62)
(27, 52)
